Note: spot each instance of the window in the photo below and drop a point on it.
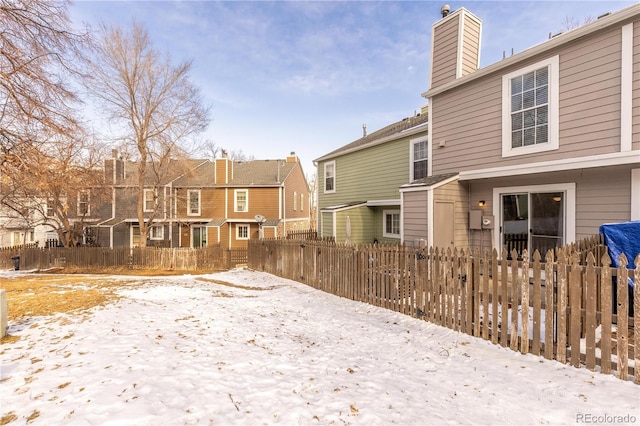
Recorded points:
(241, 200)
(156, 232)
(50, 210)
(301, 202)
(193, 203)
(135, 236)
(530, 109)
(391, 227)
(83, 203)
(330, 177)
(149, 200)
(199, 236)
(242, 232)
(419, 159)
(295, 200)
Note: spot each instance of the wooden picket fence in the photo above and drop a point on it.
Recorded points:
(557, 307)
(213, 257)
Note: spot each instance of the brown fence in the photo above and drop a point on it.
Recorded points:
(556, 308)
(92, 258)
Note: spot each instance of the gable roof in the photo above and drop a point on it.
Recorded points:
(405, 127)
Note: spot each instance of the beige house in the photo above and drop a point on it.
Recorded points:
(535, 151)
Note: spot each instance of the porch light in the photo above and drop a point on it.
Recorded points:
(481, 203)
(557, 198)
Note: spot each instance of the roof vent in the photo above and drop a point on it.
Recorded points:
(444, 10)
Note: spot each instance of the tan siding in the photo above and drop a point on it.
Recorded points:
(469, 118)
(444, 57)
(636, 87)
(296, 183)
(456, 192)
(414, 211)
(471, 45)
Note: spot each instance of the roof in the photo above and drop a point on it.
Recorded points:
(218, 221)
(559, 40)
(406, 126)
(260, 172)
(173, 170)
(429, 181)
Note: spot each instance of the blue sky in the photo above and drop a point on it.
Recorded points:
(305, 76)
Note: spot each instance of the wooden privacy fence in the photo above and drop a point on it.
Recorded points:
(92, 258)
(555, 307)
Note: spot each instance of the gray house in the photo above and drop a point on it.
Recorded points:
(535, 151)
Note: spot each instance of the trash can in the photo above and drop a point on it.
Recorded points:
(16, 262)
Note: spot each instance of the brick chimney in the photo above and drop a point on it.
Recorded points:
(455, 46)
(292, 158)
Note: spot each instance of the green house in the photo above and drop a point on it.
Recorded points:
(358, 183)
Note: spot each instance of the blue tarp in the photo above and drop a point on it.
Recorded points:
(622, 238)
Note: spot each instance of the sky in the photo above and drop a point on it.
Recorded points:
(247, 348)
(304, 76)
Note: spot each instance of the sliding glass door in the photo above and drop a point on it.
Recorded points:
(532, 221)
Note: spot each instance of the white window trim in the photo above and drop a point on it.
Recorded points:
(570, 207)
(156, 237)
(384, 223)
(301, 202)
(554, 82)
(144, 204)
(240, 225)
(295, 200)
(88, 213)
(189, 192)
(412, 143)
(324, 179)
(235, 200)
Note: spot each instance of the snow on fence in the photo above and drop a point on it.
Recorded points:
(565, 307)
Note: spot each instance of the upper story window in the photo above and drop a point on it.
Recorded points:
(301, 202)
(295, 200)
(83, 203)
(330, 177)
(149, 200)
(50, 210)
(530, 109)
(193, 202)
(241, 200)
(419, 158)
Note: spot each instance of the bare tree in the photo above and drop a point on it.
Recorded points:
(571, 23)
(313, 201)
(154, 101)
(38, 54)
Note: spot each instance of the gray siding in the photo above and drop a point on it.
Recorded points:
(414, 212)
(469, 118)
(602, 196)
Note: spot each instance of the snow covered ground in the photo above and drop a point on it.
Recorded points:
(190, 350)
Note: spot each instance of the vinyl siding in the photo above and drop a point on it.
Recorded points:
(636, 87)
(414, 212)
(602, 196)
(444, 56)
(326, 224)
(374, 173)
(456, 192)
(471, 43)
(362, 225)
(469, 117)
(296, 183)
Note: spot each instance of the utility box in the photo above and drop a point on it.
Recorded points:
(488, 222)
(475, 219)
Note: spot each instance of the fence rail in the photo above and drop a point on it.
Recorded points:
(556, 307)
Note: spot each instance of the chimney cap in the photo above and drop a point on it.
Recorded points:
(444, 10)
